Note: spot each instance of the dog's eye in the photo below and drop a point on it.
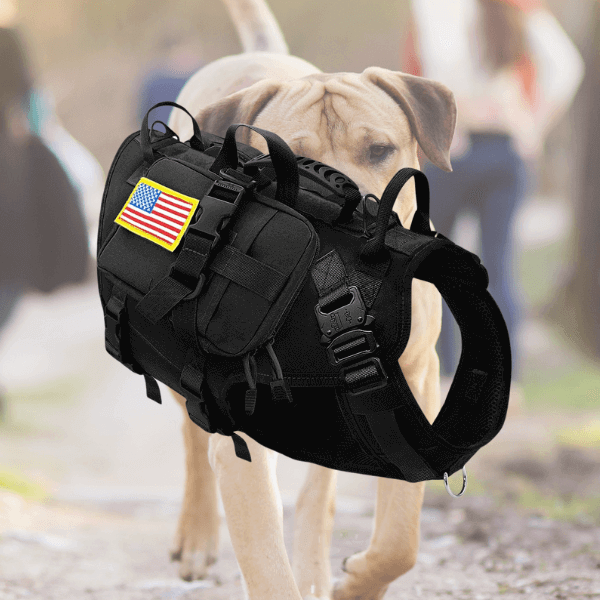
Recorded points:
(379, 152)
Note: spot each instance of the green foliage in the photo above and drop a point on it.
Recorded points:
(19, 484)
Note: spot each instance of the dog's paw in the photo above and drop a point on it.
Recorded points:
(351, 587)
(195, 554)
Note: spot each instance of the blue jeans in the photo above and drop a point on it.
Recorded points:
(490, 180)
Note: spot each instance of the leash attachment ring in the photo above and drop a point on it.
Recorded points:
(464, 485)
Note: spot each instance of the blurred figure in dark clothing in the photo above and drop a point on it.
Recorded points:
(43, 237)
(15, 88)
(164, 81)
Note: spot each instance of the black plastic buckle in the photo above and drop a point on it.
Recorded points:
(216, 208)
(374, 377)
(195, 286)
(351, 345)
(343, 313)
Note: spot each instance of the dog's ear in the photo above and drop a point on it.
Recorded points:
(429, 106)
(240, 107)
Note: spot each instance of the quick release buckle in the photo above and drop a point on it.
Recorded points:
(342, 313)
(216, 208)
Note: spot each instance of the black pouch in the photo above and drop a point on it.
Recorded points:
(261, 258)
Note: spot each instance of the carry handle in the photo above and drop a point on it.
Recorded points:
(195, 141)
(420, 223)
(282, 158)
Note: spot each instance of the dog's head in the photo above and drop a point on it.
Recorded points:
(367, 125)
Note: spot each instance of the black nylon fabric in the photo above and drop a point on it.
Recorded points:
(270, 267)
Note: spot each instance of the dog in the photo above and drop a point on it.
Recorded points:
(367, 125)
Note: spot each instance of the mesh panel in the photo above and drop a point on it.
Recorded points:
(464, 422)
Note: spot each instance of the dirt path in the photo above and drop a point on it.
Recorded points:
(112, 461)
(470, 550)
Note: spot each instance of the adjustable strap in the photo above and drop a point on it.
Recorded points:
(372, 401)
(152, 389)
(115, 322)
(340, 306)
(243, 240)
(263, 280)
(185, 278)
(364, 381)
(192, 381)
(329, 276)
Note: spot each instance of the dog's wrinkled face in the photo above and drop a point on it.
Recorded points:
(366, 125)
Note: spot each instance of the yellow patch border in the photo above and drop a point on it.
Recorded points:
(169, 246)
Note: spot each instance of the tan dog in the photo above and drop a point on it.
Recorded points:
(368, 126)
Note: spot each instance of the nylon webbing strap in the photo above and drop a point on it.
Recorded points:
(207, 304)
(367, 284)
(192, 381)
(182, 280)
(248, 272)
(397, 450)
(376, 408)
(115, 320)
(152, 389)
(115, 324)
(352, 198)
(329, 276)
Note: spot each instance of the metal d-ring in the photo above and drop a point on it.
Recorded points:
(464, 485)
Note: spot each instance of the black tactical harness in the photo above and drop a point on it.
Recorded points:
(286, 304)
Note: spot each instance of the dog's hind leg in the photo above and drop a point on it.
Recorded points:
(196, 540)
(254, 513)
(315, 511)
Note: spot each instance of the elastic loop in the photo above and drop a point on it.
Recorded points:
(195, 141)
(374, 249)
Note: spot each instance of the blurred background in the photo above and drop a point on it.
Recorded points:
(91, 472)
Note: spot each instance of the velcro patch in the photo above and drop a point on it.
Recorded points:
(157, 213)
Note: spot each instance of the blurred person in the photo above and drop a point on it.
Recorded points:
(43, 240)
(81, 166)
(165, 79)
(513, 71)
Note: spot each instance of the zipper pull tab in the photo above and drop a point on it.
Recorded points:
(279, 387)
(251, 392)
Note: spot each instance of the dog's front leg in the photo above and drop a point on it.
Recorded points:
(196, 540)
(315, 510)
(254, 514)
(394, 544)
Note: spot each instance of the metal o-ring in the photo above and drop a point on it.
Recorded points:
(464, 486)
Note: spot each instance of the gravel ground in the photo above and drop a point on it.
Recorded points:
(112, 461)
(469, 551)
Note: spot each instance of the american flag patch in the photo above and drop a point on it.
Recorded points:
(157, 213)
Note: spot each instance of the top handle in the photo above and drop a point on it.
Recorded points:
(195, 141)
(420, 223)
(282, 158)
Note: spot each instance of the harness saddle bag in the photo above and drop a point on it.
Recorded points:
(277, 300)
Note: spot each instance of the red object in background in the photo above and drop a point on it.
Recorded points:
(525, 68)
(526, 5)
(410, 62)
